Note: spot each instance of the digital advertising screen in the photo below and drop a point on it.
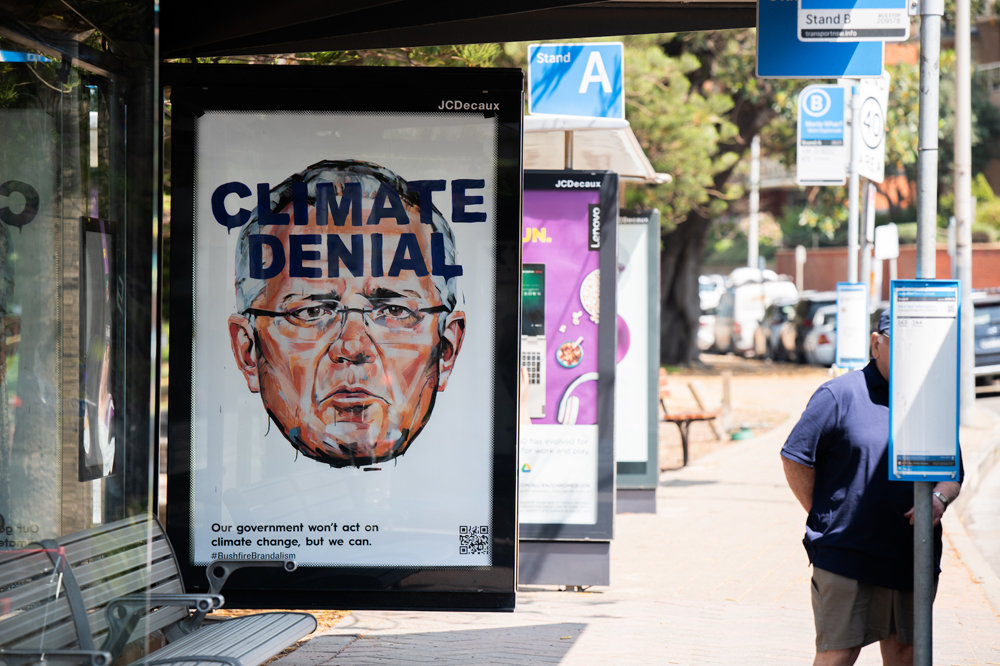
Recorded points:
(353, 276)
(638, 350)
(568, 338)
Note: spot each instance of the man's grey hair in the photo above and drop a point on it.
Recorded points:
(339, 172)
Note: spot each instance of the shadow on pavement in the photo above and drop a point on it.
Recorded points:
(683, 483)
(546, 643)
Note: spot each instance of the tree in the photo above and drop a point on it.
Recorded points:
(725, 66)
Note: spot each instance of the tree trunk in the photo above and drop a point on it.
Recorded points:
(684, 247)
(680, 266)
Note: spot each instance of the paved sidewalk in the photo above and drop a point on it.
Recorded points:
(717, 576)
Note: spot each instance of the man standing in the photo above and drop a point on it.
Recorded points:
(859, 532)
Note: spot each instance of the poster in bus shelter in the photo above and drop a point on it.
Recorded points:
(352, 382)
(568, 332)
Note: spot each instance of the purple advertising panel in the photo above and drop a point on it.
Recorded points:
(555, 240)
(568, 235)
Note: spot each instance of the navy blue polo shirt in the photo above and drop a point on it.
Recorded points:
(856, 526)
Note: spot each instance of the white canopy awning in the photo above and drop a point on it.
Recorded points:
(576, 142)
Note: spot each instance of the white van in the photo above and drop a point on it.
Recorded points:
(742, 307)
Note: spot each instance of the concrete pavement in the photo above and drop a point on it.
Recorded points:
(717, 576)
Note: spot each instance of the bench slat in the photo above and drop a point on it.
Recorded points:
(24, 568)
(24, 630)
(120, 563)
(106, 528)
(30, 595)
(63, 636)
(94, 598)
(132, 536)
(252, 639)
(109, 561)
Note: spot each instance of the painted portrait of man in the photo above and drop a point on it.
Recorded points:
(347, 321)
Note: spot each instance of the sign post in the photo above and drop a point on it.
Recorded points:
(931, 12)
(868, 238)
(853, 187)
(820, 154)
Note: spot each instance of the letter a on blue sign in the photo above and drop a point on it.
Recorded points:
(577, 79)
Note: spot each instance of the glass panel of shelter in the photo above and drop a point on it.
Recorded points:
(62, 299)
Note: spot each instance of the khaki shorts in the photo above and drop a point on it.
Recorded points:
(850, 614)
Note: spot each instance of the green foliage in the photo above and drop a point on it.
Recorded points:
(679, 129)
(679, 126)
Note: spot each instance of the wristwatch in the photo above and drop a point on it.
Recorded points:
(944, 498)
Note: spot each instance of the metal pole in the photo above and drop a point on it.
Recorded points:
(853, 188)
(964, 216)
(868, 239)
(927, 166)
(752, 236)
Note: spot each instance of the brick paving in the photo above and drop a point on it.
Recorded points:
(717, 576)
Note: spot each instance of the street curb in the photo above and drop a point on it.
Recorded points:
(954, 526)
(982, 574)
(975, 473)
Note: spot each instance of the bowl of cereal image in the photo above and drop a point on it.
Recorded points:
(570, 353)
(590, 295)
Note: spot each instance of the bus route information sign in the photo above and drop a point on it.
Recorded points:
(852, 325)
(923, 380)
(821, 151)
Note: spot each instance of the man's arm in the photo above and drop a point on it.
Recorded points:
(949, 489)
(801, 479)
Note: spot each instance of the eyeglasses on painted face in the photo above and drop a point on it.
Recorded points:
(384, 318)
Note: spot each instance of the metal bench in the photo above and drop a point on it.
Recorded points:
(83, 597)
(685, 420)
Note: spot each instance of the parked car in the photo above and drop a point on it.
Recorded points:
(775, 335)
(710, 290)
(820, 345)
(805, 310)
(706, 330)
(987, 326)
(741, 309)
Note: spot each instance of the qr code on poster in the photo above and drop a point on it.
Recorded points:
(474, 540)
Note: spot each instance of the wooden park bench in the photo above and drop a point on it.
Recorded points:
(82, 598)
(684, 420)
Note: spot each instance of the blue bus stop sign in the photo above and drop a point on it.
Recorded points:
(577, 79)
(781, 55)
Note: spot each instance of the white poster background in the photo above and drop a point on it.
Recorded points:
(632, 385)
(924, 375)
(410, 512)
(852, 325)
(558, 479)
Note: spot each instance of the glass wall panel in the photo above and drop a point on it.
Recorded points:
(62, 297)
